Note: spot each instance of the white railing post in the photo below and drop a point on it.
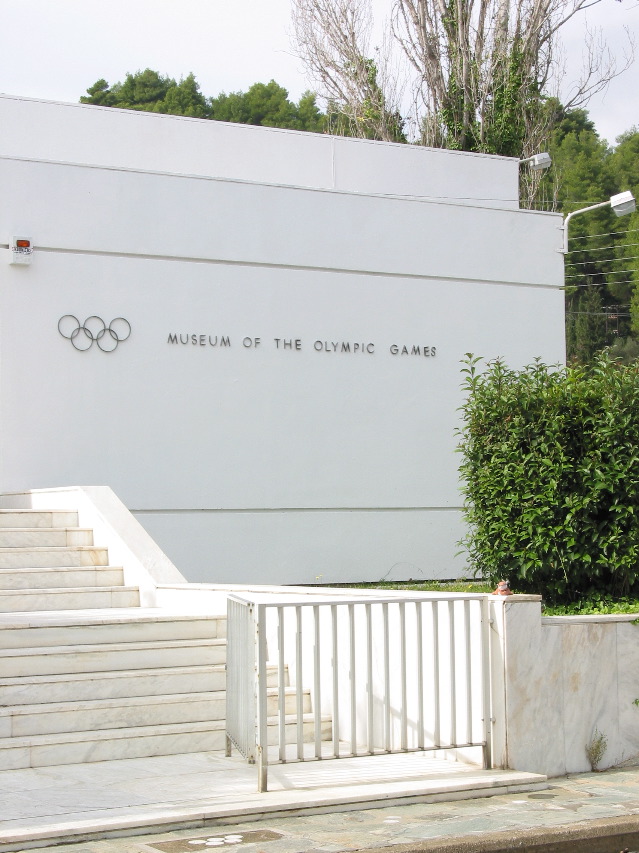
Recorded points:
(335, 664)
(262, 708)
(487, 682)
(299, 684)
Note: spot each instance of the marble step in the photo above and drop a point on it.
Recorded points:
(117, 684)
(86, 627)
(57, 690)
(133, 742)
(290, 701)
(73, 598)
(106, 657)
(308, 728)
(61, 577)
(101, 714)
(45, 537)
(38, 518)
(33, 557)
(111, 744)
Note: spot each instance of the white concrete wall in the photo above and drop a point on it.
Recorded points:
(557, 680)
(103, 136)
(258, 463)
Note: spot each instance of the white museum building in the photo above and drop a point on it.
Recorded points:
(231, 368)
(254, 336)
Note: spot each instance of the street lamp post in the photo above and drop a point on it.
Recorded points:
(622, 204)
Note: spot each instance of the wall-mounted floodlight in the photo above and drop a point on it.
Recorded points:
(622, 204)
(538, 161)
(20, 250)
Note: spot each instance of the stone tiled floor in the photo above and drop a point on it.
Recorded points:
(35, 797)
(575, 800)
(58, 803)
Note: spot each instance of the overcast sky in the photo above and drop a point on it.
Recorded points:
(55, 49)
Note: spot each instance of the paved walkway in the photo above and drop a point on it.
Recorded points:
(50, 805)
(585, 813)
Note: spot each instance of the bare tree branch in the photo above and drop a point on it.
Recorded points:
(333, 40)
(484, 72)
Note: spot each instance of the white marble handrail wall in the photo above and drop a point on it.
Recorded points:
(555, 680)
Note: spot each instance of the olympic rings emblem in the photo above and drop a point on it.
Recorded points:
(83, 335)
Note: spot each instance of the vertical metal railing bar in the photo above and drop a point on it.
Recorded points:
(387, 707)
(469, 679)
(262, 709)
(230, 673)
(453, 673)
(317, 679)
(248, 639)
(281, 687)
(420, 675)
(369, 678)
(299, 684)
(232, 669)
(402, 655)
(437, 704)
(335, 703)
(486, 684)
(352, 676)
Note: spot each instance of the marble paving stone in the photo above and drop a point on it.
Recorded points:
(378, 828)
(190, 845)
(152, 784)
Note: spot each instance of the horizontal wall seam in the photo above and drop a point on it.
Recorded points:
(295, 267)
(180, 511)
(447, 201)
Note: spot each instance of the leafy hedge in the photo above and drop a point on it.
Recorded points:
(551, 476)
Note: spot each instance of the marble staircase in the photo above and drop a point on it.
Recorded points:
(86, 674)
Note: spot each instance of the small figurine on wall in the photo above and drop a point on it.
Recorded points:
(503, 588)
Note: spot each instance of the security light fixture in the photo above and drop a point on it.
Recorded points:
(20, 250)
(622, 204)
(538, 162)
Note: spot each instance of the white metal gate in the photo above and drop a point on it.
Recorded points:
(384, 674)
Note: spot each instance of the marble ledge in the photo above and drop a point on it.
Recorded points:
(514, 598)
(597, 617)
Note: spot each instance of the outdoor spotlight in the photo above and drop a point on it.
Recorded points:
(623, 203)
(538, 162)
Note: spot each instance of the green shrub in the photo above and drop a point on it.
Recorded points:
(550, 467)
